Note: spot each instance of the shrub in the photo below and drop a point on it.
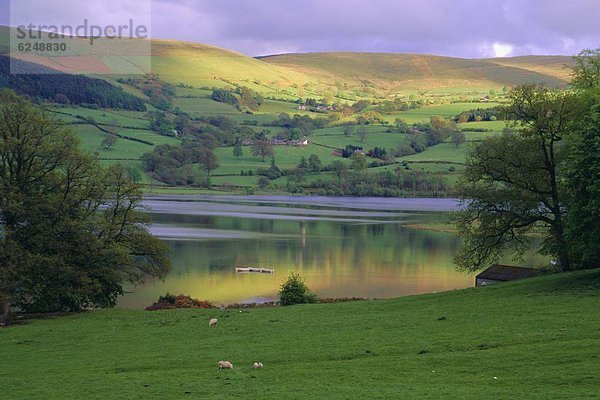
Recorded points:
(294, 291)
(170, 302)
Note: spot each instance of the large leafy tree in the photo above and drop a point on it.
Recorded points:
(545, 177)
(583, 165)
(511, 185)
(586, 72)
(71, 231)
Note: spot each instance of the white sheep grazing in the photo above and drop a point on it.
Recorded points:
(257, 365)
(212, 322)
(225, 365)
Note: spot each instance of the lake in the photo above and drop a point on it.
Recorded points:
(342, 247)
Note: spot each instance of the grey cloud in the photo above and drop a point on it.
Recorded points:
(463, 28)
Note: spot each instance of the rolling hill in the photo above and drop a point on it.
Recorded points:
(343, 75)
(402, 72)
(556, 66)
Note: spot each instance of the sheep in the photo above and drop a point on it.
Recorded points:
(225, 365)
(212, 322)
(257, 365)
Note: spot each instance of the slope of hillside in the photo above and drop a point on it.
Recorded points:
(556, 66)
(414, 71)
(174, 61)
(346, 75)
(203, 65)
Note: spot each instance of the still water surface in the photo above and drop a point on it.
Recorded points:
(343, 247)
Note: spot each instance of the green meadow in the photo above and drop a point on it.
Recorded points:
(533, 339)
(444, 159)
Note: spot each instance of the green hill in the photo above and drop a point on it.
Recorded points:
(345, 75)
(534, 339)
(402, 72)
(556, 66)
(208, 66)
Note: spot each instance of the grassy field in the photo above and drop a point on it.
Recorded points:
(444, 152)
(376, 137)
(91, 138)
(286, 158)
(441, 159)
(196, 106)
(121, 118)
(424, 114)
(534, 339)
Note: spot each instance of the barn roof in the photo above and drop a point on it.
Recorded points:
(507, 273)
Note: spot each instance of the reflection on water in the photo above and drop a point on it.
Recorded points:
(342, 247)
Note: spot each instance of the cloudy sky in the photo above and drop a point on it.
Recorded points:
(463, 28)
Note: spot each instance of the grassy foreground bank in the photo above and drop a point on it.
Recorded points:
(536, 339)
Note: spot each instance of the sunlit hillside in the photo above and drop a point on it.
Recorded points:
(333, 75)
(208, 66)
(404, 72)
(556, 66)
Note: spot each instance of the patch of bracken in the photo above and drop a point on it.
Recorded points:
(171, 302)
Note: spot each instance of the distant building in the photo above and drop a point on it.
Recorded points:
(301, 142)
(284, 142)
(504, 273)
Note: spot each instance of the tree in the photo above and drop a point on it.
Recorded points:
(358, 162)
(303, 164)
(582, 172)
(208, 160)
(349, 130)
(457, 138)
(586, 72)
(263, 182)
(72, 232)
(339, 168)
(262, 149)
(108, 142)
(583, 185)
(511, 186)
(362, 132)
(401, 125)
(360, 106)
(134, 174)
(224, 96)
(294, 291)
(250, 99)
(273, 172)
(296, 178)
(238, 150)
(314, 163)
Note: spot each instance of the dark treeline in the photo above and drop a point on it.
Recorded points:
(45, 84)
(160, 94)
(398, 104)
(481, 114)
(241, 98)
(175, 165)
(304, 123)
(395, 183)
